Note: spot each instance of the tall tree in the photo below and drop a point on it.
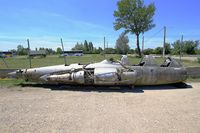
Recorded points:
(86, 46)
(59, 50)
(90, 46)
(187, 47)
(21, 50)
(122, 46)
(134, 17)
(78, 47)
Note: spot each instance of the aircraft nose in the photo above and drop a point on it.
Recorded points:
(12, 75)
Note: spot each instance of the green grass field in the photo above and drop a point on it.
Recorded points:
(23, 62)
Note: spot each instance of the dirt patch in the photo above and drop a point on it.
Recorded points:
(144, 109)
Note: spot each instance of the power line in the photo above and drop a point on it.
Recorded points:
(154, 35)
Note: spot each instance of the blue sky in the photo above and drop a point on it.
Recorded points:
(44, 22)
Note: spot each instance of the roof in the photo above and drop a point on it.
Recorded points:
(40, 52)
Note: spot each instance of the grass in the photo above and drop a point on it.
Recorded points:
(23, 62)
(193, 79)
(11, 82)
(188, 63)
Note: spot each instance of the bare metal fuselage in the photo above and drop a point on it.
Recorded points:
(104, 73)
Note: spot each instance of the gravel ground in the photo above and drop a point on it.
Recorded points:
(144, 109)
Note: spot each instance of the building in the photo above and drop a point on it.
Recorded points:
(73, 53)
(6, 54)
(41, 53)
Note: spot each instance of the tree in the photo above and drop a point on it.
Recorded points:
(86, 48)
(78, 47)
(197, 52)
(167, 48)
(159, 50)
(148, 51)
(99, 50)
(90, 47)
(122, 46)
(49, 51)
(41, 48)
(131, 51)
(110, 51)
(134, 17)
(176, 47)
(13, 51)
(187, 47)
(59, 50)
(21, 50)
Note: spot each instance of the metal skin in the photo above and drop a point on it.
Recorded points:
(107, 73)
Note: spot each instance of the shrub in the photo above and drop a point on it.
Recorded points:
(198, 59)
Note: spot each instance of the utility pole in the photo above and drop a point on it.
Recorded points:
(63, 51)
(143, 45)
(29, 52)
(181, 44)
(104, 47)
(165, 30)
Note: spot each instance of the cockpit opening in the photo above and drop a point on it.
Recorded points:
(167, 62)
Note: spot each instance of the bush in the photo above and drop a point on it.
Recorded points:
(198, 59)
(197, 51)
(148, 51)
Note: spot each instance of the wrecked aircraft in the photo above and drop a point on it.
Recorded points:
(108, 72)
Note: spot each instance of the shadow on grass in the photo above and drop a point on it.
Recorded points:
(119, 89)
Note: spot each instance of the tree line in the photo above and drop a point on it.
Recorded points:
(188, 47)
(87, 48)
(21, 50)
